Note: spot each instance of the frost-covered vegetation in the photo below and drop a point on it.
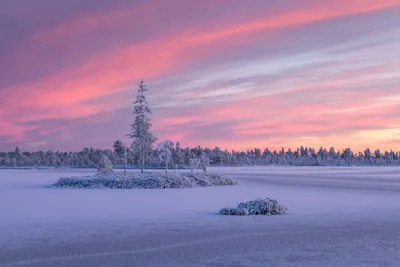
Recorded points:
(165, 154)
(144, 181)
(105, 166)
(256, 207)
(140, 132)
(183, 157)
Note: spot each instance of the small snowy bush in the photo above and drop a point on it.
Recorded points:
(143, 181)
(105, 166)
(256, 207)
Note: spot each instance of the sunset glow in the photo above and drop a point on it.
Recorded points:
(234, 74)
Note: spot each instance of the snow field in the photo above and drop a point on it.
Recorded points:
(358, 209)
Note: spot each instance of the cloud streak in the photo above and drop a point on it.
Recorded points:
(268, 74)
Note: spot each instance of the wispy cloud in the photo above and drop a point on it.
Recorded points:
(267, 74)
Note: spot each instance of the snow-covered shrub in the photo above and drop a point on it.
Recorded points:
(105, 166)
(256, 207)
(143, 181)
(203, 179)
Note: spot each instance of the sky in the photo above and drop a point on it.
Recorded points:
(229, 73)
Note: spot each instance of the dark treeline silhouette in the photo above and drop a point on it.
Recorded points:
(181, 157)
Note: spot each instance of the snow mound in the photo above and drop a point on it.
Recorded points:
(256, 207)
(144, 181)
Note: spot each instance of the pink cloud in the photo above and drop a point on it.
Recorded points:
(63, 94)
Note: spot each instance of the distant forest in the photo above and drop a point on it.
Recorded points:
(303, 156)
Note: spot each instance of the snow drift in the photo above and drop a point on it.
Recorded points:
(256, 207)
(144, 181)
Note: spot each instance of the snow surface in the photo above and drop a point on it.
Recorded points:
(340, 216)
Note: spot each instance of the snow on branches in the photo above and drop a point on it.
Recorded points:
(204, 161)
(199, 162)
(144, 181)
(260, 206)
(141, 127)
(105, 166)
(193, 164)
(165, 154)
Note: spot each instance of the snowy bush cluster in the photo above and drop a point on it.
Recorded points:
(144, 181)
(256, 207)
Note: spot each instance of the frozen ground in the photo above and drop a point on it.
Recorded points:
(341, 216)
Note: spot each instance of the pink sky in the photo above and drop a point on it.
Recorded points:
(229, 73)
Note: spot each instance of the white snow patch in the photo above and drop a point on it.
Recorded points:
(315, 195)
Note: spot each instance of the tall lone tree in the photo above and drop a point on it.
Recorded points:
(143, 139)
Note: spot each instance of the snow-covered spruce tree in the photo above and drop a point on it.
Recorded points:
(164, 153)
(143, 139)
(105, 166)
(204, 161)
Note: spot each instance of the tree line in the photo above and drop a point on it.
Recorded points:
(182, 157)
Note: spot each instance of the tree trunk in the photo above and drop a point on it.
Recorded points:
(142, 170)
(126, 161)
